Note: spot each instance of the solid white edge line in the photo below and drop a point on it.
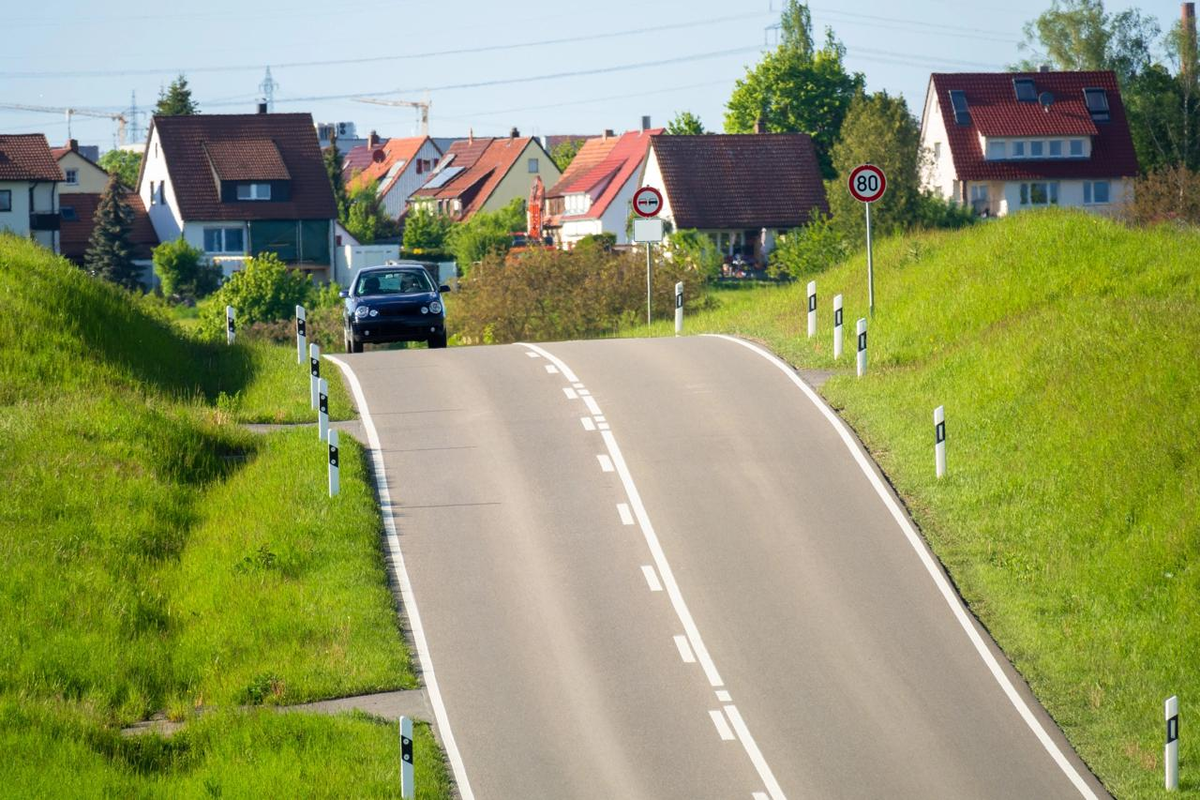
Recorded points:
(755, 754)
(406, 590)
(723, 729)
(626, 514)
(651, 578)
(532, 355)
(943, 585)
(685, 652)
(606, 464)
(759, 796)
(588, 424)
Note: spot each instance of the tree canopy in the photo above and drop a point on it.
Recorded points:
(176, 100)
(563, 153)
(685, 123)
(110, 253)
(124, 164)
(1081, 35)
(366, 218)
(797, 87)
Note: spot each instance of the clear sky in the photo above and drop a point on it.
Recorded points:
(652, 58)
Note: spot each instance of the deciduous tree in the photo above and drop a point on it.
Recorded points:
(1081, 35)
(563, 153)
(124, 164)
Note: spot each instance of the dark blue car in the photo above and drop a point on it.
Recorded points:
(393, 303)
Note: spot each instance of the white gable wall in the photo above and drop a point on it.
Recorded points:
(164, 216)
(939, 174)
(652, 176)
(396, 198)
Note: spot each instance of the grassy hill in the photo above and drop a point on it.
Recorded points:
(1066, 350)
(158, 557)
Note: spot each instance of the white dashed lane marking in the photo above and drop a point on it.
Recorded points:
(605, 462)
(588, 424)
(685, 650)
(655, 586)
(553, 370)
(723, 729)
(570, 393)
(626, 514)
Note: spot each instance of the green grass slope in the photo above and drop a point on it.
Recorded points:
(158, 557)
(1065, 350)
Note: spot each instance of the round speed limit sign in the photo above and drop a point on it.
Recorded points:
(867, 183)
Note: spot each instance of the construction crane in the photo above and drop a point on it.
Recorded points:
(423, 106)
(70, 112)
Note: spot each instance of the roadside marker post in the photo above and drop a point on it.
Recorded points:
(334, 483)
(679, 308)
(862, 347)
(323, 409)
(837, 326)
(301, 334)
(314, 372)
(1171, 752)
(812, 309)
(867, 184)
(939, 439)
(229, 324)
(407, 781)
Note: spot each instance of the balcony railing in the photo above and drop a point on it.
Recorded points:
(45, 222)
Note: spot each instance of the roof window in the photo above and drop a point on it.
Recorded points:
(1097, 104)
(958, 101)
(1024, 89)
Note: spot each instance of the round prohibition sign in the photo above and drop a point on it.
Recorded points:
(867, 183)
(647, 202)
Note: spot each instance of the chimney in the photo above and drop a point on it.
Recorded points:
(1044, 68)
(608, 133)
(645, 123)
(514, 133)
(470, 135)
(73, 145)
(262, 108)
(372, 140)
(1188, 22)
(760, 125)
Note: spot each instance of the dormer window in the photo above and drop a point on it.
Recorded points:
(1024, 89)
(254, 191)
(958, 101)
(1097, 104)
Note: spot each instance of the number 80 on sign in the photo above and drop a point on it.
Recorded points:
(867, 183)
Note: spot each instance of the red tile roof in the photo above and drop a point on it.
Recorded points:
(487, 161)
(27, 157)
(592, 153)
(752, 180)
(75, 234)
(995, 111)
(246, 160)
(604, 181)
(187, 142)
(396, 151)
(359, 158)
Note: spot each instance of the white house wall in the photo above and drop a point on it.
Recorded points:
(396, 199)
(16, 220)
(939, 175)
(617, 214)
(652, 176)
(165, 217)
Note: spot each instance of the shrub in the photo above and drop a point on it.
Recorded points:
(265, 291)
(426, 231)
(178, 265)
(696, 252)
(486, 234)
(1169, 194)
(808, 250)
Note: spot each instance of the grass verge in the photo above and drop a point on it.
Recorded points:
(1063, 347)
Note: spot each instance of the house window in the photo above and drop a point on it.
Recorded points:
(1024, 89)
(1036, 149)
(1097, 104)
(995, 150)
(153, 196)
(979, 193)
(1095, 193)
(68, 214)
(224, 240)
(254, 191)
(1076, 148)
(5, 199)
(420, 165)
(937, 150)
(533, 165)
(72, 177)
(1055, 148)
(1039, 194)
(1018, 149)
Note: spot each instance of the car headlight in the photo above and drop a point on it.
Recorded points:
(361, 312)
(424, 309)
(435, 307)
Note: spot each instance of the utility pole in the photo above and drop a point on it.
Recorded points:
(268, 87)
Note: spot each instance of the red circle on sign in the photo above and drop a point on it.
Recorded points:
(647, 202)
(867, 183)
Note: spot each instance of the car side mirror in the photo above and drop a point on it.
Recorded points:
(344, 293)
(443, 288)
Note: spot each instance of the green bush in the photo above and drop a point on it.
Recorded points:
(696, 252)
(426, 231)
(486, 234)
(265, 291)
(808, 250)
(183, 274)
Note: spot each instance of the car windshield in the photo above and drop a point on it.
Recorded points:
(400, 281)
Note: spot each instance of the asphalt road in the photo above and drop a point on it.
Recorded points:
(681, 583)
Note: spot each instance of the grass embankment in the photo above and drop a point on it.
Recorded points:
(158, 557)
(1064, 348)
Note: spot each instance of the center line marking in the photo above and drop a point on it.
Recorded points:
(591, 403)
(532, 354)
(553, 370)
(605, 462)
(569, 392)
(685, 650)
(655, 586)
(626, 516)
(584, 392)
(723, 696)
(722, 726)
(588, 424)
(755, 754)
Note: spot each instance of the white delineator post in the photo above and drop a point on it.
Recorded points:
(334, 483)
(812, 309)
(679, 308)
(939, 439)
(301, 334)
(407, 782)
(837, 326)
(229, 324)
(314, 372)
(1171, 752)
(862, 347)
(323, 409)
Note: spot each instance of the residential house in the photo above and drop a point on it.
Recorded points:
(483, 174)
(29, 179)
(357, 158)
(238, 185)
(743, 190)
(404, 167)
(594, 195)
(79, 195)
(1006, 141)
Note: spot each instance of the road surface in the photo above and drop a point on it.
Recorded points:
(657, 569)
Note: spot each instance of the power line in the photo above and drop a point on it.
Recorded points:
(623, 95)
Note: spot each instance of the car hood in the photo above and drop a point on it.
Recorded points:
(380, 300)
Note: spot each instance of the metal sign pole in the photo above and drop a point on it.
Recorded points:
(870, 266)
(648, 246)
